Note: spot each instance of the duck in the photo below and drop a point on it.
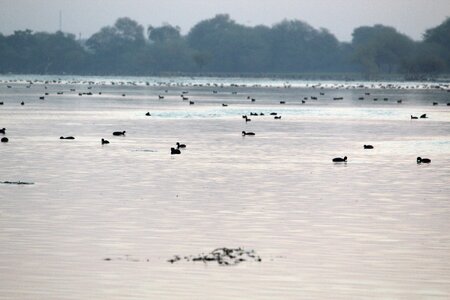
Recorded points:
(174, 151)
(414, 117)
(66, 138)
(180, 145)
(340, 159)
(4, 140)
(22, 103)
(3, 130)
(160, 97)
(148, 114)
(277, 117)
(424, 116)
(423, 160)
(247, 133)
(105, 142)
(118, 133)
(368, 147)
(1, 103)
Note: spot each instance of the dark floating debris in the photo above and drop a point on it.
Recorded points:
(17, 182)
(223, 256)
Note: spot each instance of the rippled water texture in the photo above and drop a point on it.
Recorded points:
(375, 227)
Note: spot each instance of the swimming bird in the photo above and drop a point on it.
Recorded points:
(22, 103)
(224, 104)
(1, 103)
(424, 116)
(160, 97)
(247, 133)
(148, 114)
(191, 102)
(277, 117)
(340, 159)
(414, 117)
(399, 101)
(5, 140)
(117, 133)
(66, 138)
(105, 142)
(368, 147)
(3, 130)
(174, 151)
(180, 145)
(423, 160)
(435, 103)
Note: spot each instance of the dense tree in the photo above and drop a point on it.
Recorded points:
(221, 45)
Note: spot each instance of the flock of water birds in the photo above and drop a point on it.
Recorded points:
(178, 147)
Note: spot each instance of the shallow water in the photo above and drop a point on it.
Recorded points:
(376, 227)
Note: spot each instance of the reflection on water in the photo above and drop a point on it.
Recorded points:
(376, 227)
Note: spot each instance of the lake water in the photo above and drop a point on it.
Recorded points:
(100, 222)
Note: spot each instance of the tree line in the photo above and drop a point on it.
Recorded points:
(221, 46)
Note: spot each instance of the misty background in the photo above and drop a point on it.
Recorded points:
(285, 36)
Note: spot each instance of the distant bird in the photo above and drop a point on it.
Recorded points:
(340, 159)
(174, 151)
(184, 98)
(435, 103)
(361, 98)
(66, 138)
(282, 102)
(1, 103)
(399, 101)
(277, 117)
(368, 147)
(180, 145)
(160, 97)
(253, 99)
(22, 103)
(123, 95)
(4, 140)
(104, 142)
(424, 116)
(191, 102)
(224, 104)
(247, 133)
(273, 114)
(42, 97)
(303, 101)
(423, 160)
(118, 133)
(414, 117)
(148, 114)
(3, 130)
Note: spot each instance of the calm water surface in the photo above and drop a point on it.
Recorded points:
(374, 228)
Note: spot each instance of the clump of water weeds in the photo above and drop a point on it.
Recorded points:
(223, 256)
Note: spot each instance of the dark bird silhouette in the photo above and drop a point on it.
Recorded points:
(1, 103)
(435, 103)
(66, 138)
(174, 151)
(224, 104)
(414, 117)
(340, 159)
(368, 147)
(118, 133)
(399, 101)
(424, 116)
(423, 160)
(3, 130)
(104, 142)
(180, 145)
(148, 114)
(5, 140)
(160, 97)
(191, 102)
(277, 117)
(247, 133)
(22, 103)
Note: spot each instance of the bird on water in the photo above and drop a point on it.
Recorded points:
(421, 160)
(340, 159)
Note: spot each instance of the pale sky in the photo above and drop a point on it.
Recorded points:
(340, 17)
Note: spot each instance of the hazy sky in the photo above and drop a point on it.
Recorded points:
(411, 17)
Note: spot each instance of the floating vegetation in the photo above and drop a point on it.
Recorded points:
(16, 182)
(223, 256)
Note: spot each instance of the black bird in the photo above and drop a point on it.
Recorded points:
(148, 114)
(399, 101)
(424, 116)
(174, 151)
(247, 133)
(1, 103)
(66, 138)
(282, 102)
(117, 133)
(423, 160)
(104, 142)
(224, 104)
(5, 140)
(41, 98)
(180, 145)
(160, 97)
(340, 159)
(277, 117)
(414, 117)
(435, 103)
(368, 147)
(22, 103)
(191, 102)
(3, 130)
